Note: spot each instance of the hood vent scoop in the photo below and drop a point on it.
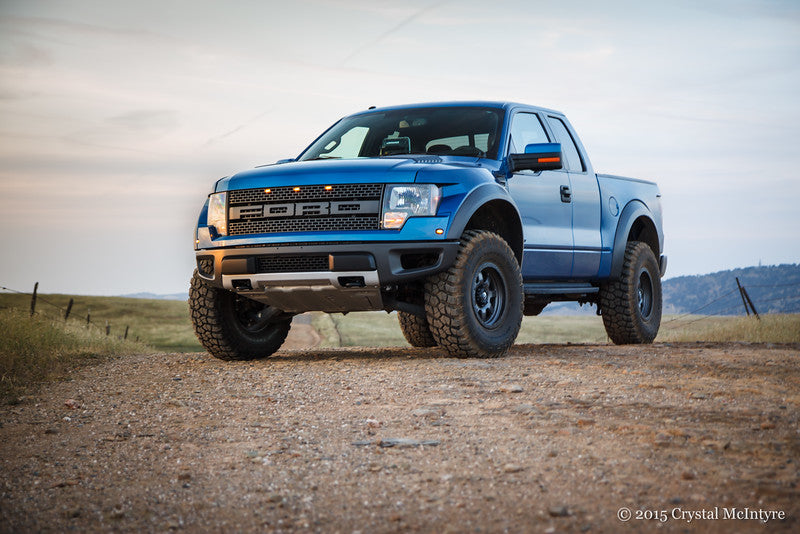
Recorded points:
(417, 158)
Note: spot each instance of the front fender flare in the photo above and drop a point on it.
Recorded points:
(479, 197)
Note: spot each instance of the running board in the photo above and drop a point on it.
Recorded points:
(559, 288)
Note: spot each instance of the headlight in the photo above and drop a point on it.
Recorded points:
(217, 217)
(403, 201)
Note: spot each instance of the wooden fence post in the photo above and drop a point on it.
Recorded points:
(88, 317)
(33, 298)
(126, 333)
(746, 300)
(750, 302)
(108, 328)
(741, 294)
(69, 309)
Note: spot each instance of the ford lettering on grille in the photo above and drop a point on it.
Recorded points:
(343, 207)
(304, 209)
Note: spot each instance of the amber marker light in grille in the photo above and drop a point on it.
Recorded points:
(439, 231)
(328, 187)
(295, 189)
(268, 190)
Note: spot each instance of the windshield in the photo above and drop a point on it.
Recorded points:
(452, 131)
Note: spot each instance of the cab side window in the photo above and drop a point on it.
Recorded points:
(571, 155)
(526, 128)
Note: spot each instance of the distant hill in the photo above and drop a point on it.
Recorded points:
(773, 289)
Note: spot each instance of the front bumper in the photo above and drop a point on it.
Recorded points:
(331, 277)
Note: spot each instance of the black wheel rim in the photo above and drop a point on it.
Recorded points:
(488, 295)
(253, 317)
(644, 294)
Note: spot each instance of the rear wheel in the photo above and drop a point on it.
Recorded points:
(416, 330)
(631, 306)
(474, 308)
(231, 327)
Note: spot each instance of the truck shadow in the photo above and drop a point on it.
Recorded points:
(359, 353)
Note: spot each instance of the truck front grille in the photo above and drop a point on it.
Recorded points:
(313, 208)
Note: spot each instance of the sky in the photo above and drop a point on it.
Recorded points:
(116, 118)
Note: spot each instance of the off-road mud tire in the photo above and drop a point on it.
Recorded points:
(631, 306)
(415, 330)
(462, 320)
(222, 334)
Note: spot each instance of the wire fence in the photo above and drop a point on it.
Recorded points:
(735, 302)
(66, 312)
(727, 305)
(730, 304)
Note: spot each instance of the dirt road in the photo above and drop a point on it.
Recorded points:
(548, 439)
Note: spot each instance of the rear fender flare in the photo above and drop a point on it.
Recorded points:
(633, 211)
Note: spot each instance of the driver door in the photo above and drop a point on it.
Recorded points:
(546, 217)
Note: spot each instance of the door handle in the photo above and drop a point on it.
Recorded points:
(566, 194)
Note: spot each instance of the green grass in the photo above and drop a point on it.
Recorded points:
(326, 328)
(33, 349)
(162, 324)
(379, 329)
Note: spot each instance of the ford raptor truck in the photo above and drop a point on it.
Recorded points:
(462, 217)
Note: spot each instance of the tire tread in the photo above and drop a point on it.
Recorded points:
(213, 330)
(416, 330)
(618, 299)
(448, 322)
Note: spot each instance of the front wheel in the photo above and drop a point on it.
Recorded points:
(416, 330)
(631, 306)
(231, 327)
(474, 309)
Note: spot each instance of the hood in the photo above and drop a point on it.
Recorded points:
(353, 171)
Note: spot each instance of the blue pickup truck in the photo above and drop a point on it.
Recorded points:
(460, 216)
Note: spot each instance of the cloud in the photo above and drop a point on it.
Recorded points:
(56, 29)
(15, 53)
(240, 127)
(394, 29)
(150, 122)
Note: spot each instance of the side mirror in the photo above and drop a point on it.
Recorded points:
(537, 157)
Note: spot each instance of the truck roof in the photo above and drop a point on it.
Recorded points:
(467, 103)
